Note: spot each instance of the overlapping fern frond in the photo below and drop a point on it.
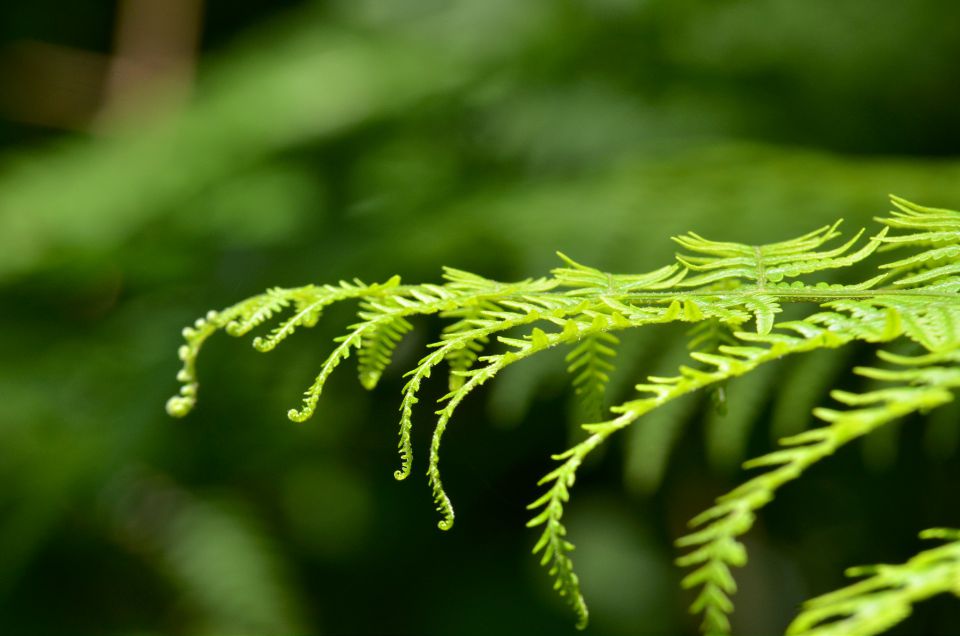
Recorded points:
(887, 596)
(732, 294)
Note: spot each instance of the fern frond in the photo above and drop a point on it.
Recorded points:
(410, 301)
(469, 345)
(931, 321)
(715, 547)
(769, 263)
(708, 336)
(493, 322)
(585, 280)
(553, 543)
(308, 307)
(241, 318)
(936, 232)
(732, 361)
(887, 596)
(182, 403)
(376, 350)
(588, 324)
(717, 287)
(262, 308)
(930, 226)
(589, 364)
(736, 265)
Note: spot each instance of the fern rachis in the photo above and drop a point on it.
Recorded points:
(733, 295)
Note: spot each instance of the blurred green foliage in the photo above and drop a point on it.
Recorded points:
(328, 140)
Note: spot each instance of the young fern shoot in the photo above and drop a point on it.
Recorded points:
(732, 294)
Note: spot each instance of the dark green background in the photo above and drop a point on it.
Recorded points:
(327, 140)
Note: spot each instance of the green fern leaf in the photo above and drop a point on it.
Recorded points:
(590, 365)
(376, 350)
(922, 388)
(717, 287)
(465, 354)
(887, 596)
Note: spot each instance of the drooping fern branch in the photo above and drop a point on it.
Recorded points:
(888, 595)
(732, 294)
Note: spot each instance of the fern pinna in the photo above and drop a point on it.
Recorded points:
(737, 292)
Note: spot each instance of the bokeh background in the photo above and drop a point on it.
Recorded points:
(159, 158)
